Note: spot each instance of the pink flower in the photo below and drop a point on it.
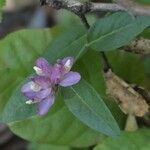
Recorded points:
(42, 87)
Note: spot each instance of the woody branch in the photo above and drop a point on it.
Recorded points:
(78, 7)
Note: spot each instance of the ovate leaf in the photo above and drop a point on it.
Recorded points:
(129, 66)
(128, 141)
(18, 52)
(70, 43)
(116, 30)
(87, 105)
(34, 146)
(90, 68)
(59, 126)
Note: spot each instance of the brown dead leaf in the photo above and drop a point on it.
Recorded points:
(130, 101)
(139, 46)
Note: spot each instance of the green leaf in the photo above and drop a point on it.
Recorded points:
(68, 44)
(34, 146)
(116, 30)
(87, 105)
(59, 126)
(17, 56)
(90, 68)
(143, 1)
(147, 66)
(131, 67)
(2, 3)
(128, 141)
(72, 131)
(66, 19)
(128, 66)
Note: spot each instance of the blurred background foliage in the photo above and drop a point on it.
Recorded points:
(143, 1)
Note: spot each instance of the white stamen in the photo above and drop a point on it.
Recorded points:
(35, 87)
(68, 65)
(38, 70)
(58, 60)
(29, 102)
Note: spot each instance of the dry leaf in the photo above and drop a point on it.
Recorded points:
(130, 101)
(139, 46)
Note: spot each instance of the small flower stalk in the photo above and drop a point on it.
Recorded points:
(43, 86)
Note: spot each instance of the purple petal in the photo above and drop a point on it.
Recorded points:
(43, 64)
(70, 78)
(43, 81)
(38, 96)
(45, 104)
(56, 73)
(63, 61)
(30, 95)
(27, 87)
(42, 94)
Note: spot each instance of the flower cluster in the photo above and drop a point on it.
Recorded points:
(42, 87)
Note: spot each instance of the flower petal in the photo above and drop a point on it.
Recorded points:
(30, 95)
(66, 59)
(43, 81)
(67, 64)
(56, 73)
(45, 104)
(42, 94)
(70, 78)
(43, 64)
(35, 95)
(27, 87)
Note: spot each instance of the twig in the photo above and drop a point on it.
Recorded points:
(78, 7)
(134, 8)
(84, 21)
(105, 62)
(95, 7)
